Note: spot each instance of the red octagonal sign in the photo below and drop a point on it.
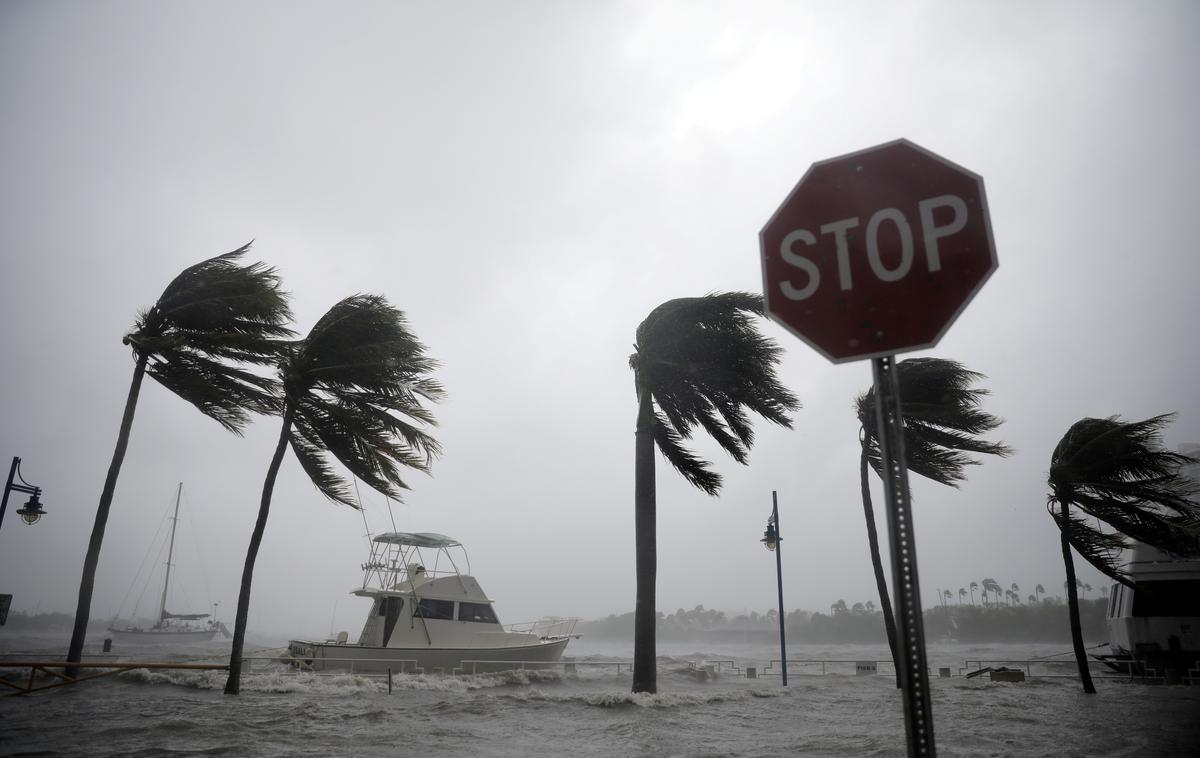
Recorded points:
(877, 252)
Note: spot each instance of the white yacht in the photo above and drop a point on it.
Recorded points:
(1157, 620)
(428, 617)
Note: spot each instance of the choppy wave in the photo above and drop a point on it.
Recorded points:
(591, 712)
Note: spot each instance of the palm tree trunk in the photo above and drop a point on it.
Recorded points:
(234, 683)
(87, 582)
(885, 602)
(1085, 675)
(645, 674)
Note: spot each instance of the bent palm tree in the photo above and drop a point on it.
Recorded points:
(211, 317)
(962, 592)
(974, 586)
(1038, 591)
(698, 361)
(992, 586)
(351, 388)
(942, 422)
(1117, 473)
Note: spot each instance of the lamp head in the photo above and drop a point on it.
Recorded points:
(32, 511)
(770, 537)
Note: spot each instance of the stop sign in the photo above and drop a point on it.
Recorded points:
(877, 252)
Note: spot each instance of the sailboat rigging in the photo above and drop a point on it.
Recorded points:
(172, 627)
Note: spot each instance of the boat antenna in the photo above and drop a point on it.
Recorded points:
(362, 511)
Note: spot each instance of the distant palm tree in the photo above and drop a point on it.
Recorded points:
(1086, 589)
(1038, 591)
(974, 586)
(943, 419)
(962, 592)
(870, 606)
(857, 608)
(1117, 473)
(1032, 599)
(352, 388)
(992, 586)
(947, 595)
(212, 318)
(838, 607)
(698, 361)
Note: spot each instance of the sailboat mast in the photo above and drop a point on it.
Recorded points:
(162, 607)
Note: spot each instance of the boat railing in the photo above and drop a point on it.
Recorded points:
(549, 627)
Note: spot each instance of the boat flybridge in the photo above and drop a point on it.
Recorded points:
(427, 616)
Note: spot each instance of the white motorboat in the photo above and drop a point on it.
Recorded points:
(428, 617)
(171, 628)
(1156, 622)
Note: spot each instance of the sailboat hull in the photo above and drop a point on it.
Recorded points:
(161, 637)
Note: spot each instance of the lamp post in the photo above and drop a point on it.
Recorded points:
(32, 510)
(772, 541)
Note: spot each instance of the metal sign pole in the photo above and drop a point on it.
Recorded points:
(910, 631)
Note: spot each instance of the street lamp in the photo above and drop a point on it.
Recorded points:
(771, 540)
(32, 510)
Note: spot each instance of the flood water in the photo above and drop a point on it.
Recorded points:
(591, 712)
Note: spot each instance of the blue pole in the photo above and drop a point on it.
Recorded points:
(779, 581)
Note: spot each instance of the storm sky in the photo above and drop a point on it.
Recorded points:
(526, 181)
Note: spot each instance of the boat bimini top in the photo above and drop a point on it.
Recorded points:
(397, 560)
(417, 539)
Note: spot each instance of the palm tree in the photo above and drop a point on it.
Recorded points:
(838, 607)
(1086, 589)
(962, 592)
(1038, 591)
(858, 608)
(870, 606)
(1032, 598)
(974, 586)
(942, 423)
(1117, 473)
(992, 586)
(212, 317)
(698, 361)
(947, 595)
(352, 388)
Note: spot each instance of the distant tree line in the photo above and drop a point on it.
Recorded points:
(1046, 621)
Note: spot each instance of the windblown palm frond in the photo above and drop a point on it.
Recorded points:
(1098, 547)
(211, 317)
(942, 419)
(1118, 473)
(356, 386)
(706, 365)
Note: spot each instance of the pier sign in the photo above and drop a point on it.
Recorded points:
(877, 252)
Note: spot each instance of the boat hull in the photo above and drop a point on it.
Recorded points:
(169, 637)
(331, 656)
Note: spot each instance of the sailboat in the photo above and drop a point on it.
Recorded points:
(172, 628)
